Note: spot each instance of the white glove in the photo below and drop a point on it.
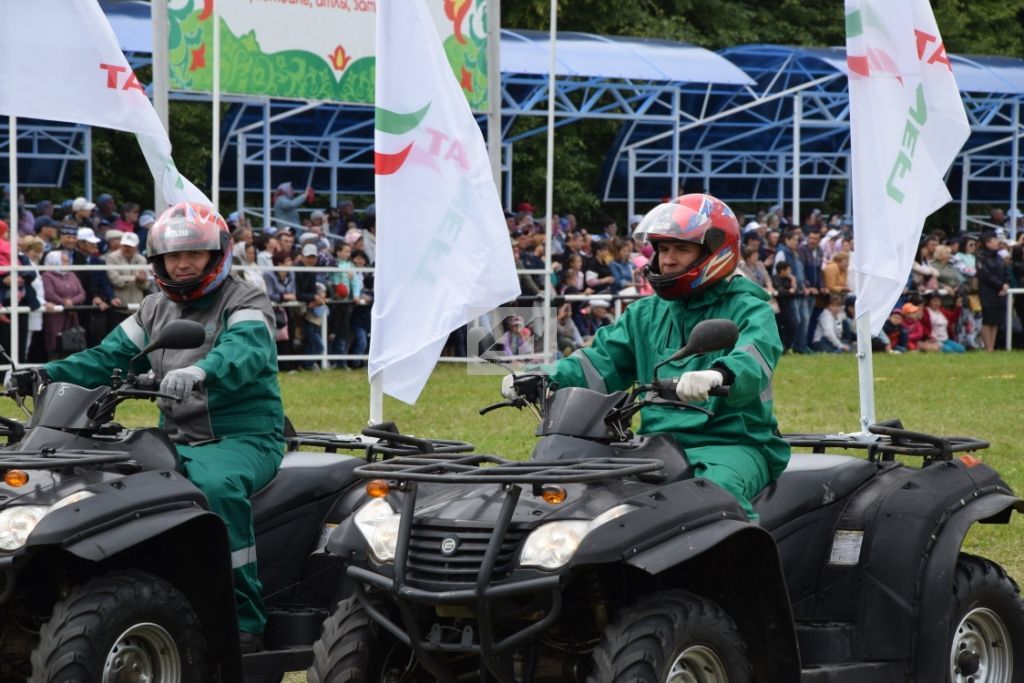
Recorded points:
(508, 389)
(180, 382)
(694, 386)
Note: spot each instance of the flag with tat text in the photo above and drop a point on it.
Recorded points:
(62, 62)
(443, 251)
(907, 124)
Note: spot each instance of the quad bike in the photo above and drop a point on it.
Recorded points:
(603, 559)
(112, 568)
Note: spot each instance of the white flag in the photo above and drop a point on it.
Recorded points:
(443, 250)
(62, 63)
(907, 124)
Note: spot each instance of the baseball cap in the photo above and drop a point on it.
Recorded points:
(146, 220)
(130, 239)
(87, 235)
(68, 229)
(114, 234)
(909, 309)
(601, 303)
(309, 250)
(317, 215)
(82, 204)
(525, 207)
(45, 222)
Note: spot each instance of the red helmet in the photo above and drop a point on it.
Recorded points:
(189, 226)
(697, 218)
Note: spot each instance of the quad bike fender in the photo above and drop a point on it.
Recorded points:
(737, 565)
(910, 523)
(933, 624)
(189, 548)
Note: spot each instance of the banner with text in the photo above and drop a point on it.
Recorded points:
(311, 49)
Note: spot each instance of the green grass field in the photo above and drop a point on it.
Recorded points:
(973, 394)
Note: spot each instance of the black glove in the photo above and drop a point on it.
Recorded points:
(25, 382)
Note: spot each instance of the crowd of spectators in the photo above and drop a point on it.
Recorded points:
(954, 299)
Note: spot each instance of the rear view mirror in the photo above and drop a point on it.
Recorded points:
(709, 335)
(178, 334)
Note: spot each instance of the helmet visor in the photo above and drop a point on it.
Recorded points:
(672, 221)
(183, 233)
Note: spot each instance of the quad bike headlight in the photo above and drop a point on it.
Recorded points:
(18, 522)
(378, 523)
(552, 545)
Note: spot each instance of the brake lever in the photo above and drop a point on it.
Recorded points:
(519, 402)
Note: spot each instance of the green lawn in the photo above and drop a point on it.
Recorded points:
(973, 394)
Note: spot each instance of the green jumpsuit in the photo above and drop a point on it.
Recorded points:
(739, 449)
(230, 431)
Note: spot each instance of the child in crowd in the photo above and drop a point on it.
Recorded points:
(784, 284)
(917, 340)
(893, 328)
(938, 321)
(829, 328)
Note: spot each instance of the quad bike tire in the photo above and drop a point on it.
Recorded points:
(671, 636)
(127, 624)
(987, 641)
(353, 648)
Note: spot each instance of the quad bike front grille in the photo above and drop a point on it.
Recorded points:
(453, 553)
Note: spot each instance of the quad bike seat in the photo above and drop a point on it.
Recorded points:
(811, 480)
(303, 477)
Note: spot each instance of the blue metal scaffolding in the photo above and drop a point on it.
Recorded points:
(731, 122)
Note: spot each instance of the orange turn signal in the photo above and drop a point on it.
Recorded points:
(553, 494)
(969, 460)
(16, 478)
(377, 488)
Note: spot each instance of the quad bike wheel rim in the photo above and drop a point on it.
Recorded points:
(981, 651)
(697, 664)
(145, 653)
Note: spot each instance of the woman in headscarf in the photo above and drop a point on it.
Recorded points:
(60, 288)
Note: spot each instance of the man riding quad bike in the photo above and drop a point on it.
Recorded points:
(614, 557)
(604, 559)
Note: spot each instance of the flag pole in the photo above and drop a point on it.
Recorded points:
(12, 232)
(865, 372)
(215, 146)
(376, 398)
(549, 190)
(161, 84)
(494, 89)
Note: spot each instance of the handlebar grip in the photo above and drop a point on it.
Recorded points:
(666, 388)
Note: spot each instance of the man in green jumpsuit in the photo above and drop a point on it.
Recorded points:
(229, 425)
(693, 273)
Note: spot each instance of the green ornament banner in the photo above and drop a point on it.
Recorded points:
(311, 49)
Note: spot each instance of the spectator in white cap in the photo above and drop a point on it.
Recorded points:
(96, 283)
(81, 211)
(113, 240)
(286, 204)
(307, 292)
(146, 221)
(130, 286)
(597, 316)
